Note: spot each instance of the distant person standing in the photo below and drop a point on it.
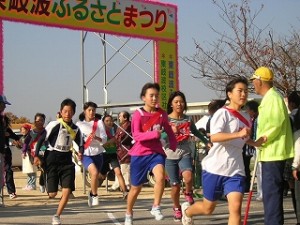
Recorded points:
(7, 132)
(273, 122)
(124, 144)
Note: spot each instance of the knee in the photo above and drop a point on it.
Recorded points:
(208, 210)
(52, 194)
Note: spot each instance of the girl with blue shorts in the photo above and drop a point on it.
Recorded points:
(147, 154)
(223, 167)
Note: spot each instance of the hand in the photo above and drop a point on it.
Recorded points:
(37, 161)
(295, 174)
(209, 145)
(79, 156)
(260, 141)
(244, 133)
(23, 155)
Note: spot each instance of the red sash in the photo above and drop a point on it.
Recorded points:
(152, 120)
(89, 139)
(239, 116)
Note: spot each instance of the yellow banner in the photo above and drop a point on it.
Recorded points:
(166, 67)
(143, 19)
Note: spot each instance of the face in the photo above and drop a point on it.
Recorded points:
(151, 97)
(178, 104)
(67, 113)
(108, 122)
(121, 118)
(39, 122)
(23, 131)
(239, 94)
(89, 113)
(257, 84)
(2, 107)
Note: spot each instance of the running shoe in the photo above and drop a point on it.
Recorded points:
(125, 194)
(156, 212)
(128, 220)
(42, 188)
(189, 197)
(177, 214)
(12, 196)
(56, 220)
(185, 219)
(93, 200)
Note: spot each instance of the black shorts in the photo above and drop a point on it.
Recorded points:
(59, 169)
(109, 161)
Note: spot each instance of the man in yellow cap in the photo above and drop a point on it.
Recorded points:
(273, 123)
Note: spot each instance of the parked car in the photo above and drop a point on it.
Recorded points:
(16, 152)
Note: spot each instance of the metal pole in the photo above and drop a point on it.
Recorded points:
(105, 72)
(82, 37)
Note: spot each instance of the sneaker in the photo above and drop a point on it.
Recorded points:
(189, 197)
(56, 220)
(128, 220)
(185, 219)
(177, 214)
(125, 194)
(93, 200)
(156, 212)
(12, 196)
(42, 188)
(28, 188)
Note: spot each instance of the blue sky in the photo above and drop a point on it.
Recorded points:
(42, 65)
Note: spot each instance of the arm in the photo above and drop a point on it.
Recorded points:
(197, 133)
(137, 132)
(169, 131)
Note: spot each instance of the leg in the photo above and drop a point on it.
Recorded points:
(131, 198)
(204, 207)
(235, 200)
(94, 178)
(297, 197)
(63, 201)
(119, 175)
(273, 184)
(159, 187)
(9, 175)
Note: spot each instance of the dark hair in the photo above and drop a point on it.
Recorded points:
(126, 115)
(252, 105)
(172, 96)
(294, 97)
(68, 102)
(231, 85)
(216, 104)
(89, 104)
(105, 116)
(40, 115)
(148, 86)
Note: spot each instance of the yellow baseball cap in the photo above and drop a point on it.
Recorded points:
(263, 73)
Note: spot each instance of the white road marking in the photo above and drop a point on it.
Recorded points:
(114, 220)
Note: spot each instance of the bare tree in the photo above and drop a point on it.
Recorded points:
(243, 49)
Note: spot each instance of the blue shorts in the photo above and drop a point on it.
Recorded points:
(141, 165)
(95, 159)
(214, 186)
(175, 167)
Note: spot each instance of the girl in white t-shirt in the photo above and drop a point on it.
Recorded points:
(94, 136)
(223, 167)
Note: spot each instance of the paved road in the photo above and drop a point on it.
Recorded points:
(35, 208)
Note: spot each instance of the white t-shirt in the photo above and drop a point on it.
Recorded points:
(225, 158)
(86, 128)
